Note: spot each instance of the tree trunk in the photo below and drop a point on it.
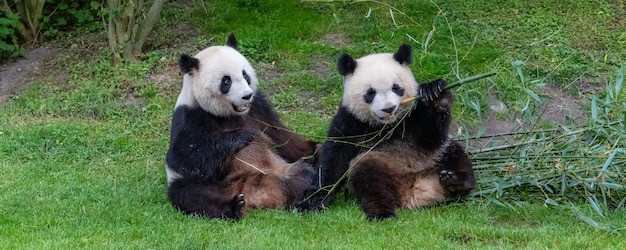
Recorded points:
(111, 35)
(147, 25)
(129, 26)
(30, 12)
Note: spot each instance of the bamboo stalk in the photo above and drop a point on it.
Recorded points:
(454, 85)
(250, 165)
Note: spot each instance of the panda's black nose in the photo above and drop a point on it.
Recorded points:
(390, 109)
(247, 97)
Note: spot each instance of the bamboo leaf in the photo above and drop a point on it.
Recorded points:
(612, 185)
(619, 81)
(427, 41)
(550, 202)
(409, 36)
(591, 222)
(517, 65)
(594, 204)
(607, 163)
(594, 108)
(567, 130)
(563, 184)
(526, 106)
(476, 106)
(533, 95)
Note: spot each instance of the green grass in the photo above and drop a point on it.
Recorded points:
(82, 149)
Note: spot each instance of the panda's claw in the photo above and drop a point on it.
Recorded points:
(432, 90)
(447, 175)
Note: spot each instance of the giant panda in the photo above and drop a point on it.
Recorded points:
(391, 154)
(229, 151)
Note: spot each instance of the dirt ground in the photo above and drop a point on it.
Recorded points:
(16, 76)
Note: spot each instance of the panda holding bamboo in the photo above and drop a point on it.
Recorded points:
(392, 155)
(229, 152)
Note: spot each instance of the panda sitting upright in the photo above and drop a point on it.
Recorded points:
(394, 155)
(228, 149)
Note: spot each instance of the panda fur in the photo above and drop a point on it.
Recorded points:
(229, 151)
(394, 155)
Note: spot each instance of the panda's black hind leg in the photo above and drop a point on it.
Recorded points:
(375, 187)
(206, 199)
(456, 173)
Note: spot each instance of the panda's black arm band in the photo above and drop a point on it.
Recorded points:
(207, 157)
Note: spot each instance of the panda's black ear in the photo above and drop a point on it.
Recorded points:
(232, 41)
(188, 63)
(403, 56)
(346, 64)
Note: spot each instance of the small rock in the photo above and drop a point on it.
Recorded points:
(498, 107)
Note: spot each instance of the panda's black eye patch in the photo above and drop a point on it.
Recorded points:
(369, 95)
(225, 84)
(397, 89)
(246, 76)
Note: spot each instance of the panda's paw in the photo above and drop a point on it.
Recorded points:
(314, 200)
(236, 206)
(448, 177)
(381, 215)
(435, 93)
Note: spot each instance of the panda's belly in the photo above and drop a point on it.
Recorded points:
(405, 155)
(418, 175)
(424, 191)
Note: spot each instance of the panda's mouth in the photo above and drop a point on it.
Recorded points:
(387, 119)
(241, 108)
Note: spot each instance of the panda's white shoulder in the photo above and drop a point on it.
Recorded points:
(186, 98)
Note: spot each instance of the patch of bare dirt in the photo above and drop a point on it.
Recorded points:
(561, 105)
(16, 76)
(558, 106)
(323, 67)
(335, 40)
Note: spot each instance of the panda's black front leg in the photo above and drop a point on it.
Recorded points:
(206, 156)
(219, 150)
(235, 140)
(430, 119)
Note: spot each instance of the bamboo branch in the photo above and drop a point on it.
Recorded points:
(454, 85)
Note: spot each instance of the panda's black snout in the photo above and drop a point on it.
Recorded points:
(247, 97)
(389, 110)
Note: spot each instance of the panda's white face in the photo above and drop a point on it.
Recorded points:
(374, 91)
(223, 84)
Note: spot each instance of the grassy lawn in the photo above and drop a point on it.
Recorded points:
(82, 150)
